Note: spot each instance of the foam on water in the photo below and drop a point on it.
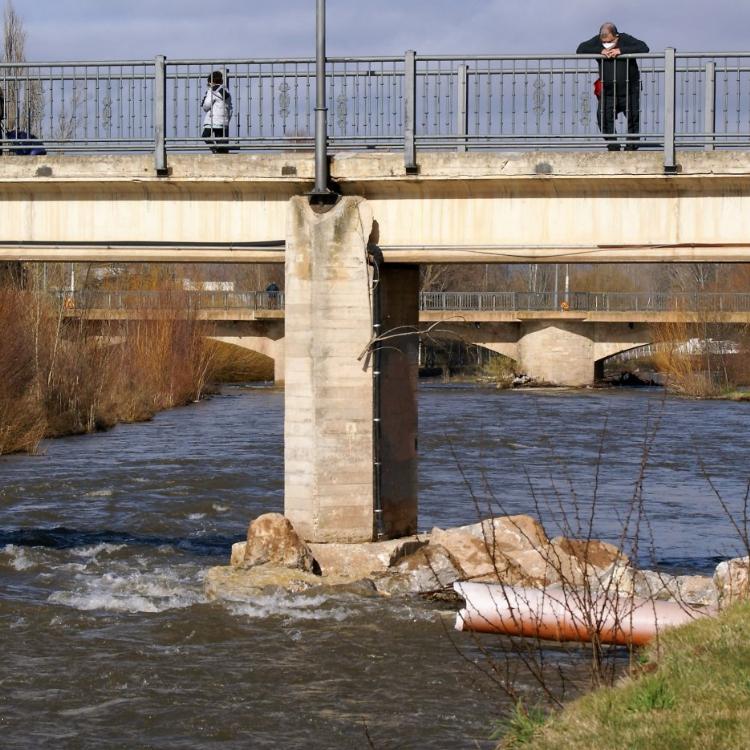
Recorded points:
(291, 607)
(19, 557)
(129, 588)
(97, 549)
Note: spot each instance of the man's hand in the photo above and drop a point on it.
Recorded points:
(610, 53)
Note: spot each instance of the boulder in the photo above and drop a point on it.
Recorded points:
(360, 560)
(227, 583)
(238, 554)
(599, 555)
(427, 570)
(240, 584)
(475, 557)
(650, 584)
(533, 567)
(732, 580)
(272, 540)
(696, 591)
(505, 532)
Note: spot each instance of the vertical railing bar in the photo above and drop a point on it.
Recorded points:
(488, 107)
(670, 163)
(709, 109)
(462, 124)
(738, 107)
(410, 111)
(160, 114)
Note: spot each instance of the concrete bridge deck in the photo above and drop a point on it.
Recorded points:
(541, 207)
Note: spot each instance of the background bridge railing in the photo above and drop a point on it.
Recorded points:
(410, 102)
(585, 301)
(428, 301)
(96, 299)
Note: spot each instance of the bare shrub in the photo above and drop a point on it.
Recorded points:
(62, 373)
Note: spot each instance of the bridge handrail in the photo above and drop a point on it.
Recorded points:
(458, 102)
(445, 301)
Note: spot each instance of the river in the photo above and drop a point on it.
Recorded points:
(104, 539)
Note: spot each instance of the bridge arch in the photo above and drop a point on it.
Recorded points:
(263, 338)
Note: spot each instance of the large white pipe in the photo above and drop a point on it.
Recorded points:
(557, 615)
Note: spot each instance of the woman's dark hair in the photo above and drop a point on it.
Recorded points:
(216, 78)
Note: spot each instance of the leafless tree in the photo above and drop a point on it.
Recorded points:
(22, 93)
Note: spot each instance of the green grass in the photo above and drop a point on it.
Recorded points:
(520, 727)
(696, 696)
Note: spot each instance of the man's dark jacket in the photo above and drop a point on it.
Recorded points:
(616, 71)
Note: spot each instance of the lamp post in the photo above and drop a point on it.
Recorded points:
(321, 191)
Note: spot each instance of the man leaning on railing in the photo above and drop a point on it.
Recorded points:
(619, 85)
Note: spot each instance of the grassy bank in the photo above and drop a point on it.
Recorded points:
(695, 695)
(62, 376)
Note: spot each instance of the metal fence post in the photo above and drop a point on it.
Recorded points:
(410, 111)
(709, 106)
(462, 110)
(670, 76)
(160, 114)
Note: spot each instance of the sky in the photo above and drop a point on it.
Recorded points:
(140, 29)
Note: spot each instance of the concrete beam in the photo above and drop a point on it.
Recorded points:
(540, 207)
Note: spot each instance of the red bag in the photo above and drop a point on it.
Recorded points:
(598, 88)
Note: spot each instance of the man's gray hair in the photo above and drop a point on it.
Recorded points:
(608, 28)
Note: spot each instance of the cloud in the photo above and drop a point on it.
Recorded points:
(75, 29)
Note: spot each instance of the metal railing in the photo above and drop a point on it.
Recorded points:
(428, 301)
(410, 102)
(585, 301)
(95, 299)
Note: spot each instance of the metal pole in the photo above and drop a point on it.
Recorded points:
(670, 74)
(709, 109)
(557, 287)
(410, 112)
(463, 109)
(321, 111)
(160, 114)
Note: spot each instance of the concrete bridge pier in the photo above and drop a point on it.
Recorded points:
(350, 406)
(561, 354)
(572, 352)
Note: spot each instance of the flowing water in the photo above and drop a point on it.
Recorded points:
(109, 641)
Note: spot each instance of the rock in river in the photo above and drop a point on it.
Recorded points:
(271, 539)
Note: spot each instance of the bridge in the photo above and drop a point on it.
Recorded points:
(441, 159)
(558, 338)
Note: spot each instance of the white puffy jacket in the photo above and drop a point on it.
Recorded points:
(217, 104)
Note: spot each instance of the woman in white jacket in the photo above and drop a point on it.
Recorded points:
(217, 104)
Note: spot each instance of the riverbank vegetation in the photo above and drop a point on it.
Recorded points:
(695, 693)
(703, 359)
(62, 374)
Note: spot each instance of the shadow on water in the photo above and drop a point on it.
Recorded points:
(62, 538)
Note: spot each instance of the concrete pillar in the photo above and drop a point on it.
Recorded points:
(329, 452)
(559, 353)
(397, 362)
(279, 361)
